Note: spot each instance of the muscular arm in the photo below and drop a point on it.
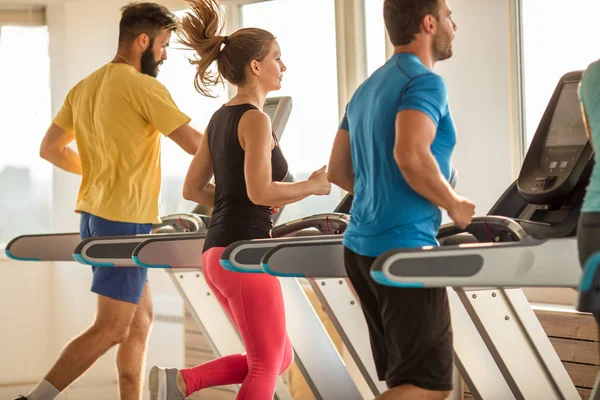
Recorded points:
(415, 132)
(340, 171)
(254, 132)
(55, 149)
(197, 186)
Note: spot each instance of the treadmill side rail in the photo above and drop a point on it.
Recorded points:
(165, 252)
(246, 255)
(46, 247)
(531, 263)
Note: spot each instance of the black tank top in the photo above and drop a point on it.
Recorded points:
(235, 217)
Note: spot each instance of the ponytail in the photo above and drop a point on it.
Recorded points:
(201, 31)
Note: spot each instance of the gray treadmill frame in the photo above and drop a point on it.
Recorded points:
(324, 370)
(502, 314)
(469, 347)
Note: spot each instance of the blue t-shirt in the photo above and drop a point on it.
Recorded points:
(386, 212)
(589, 93)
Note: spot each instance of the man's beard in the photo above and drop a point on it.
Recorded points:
(442, 49)
(149, 66)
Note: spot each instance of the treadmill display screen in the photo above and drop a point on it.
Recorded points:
(567, 127)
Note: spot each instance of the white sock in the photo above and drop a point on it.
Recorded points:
(43, 391)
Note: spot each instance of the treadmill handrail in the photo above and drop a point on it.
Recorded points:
(313, 269)
(488, 222)
(167, 238)
(114, 251)
(88, 242)
(530, 262)
(340, 220)
(195, 220)
(256, 249)
(196, 251)
(22, 248)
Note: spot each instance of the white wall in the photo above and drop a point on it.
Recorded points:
(479, 81)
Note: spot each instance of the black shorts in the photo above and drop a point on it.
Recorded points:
(410, 329)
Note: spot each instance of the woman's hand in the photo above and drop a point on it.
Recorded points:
(322, 187)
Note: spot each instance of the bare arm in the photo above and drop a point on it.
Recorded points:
(55, 149)
(340, 171)
(187, 138)
(415, 133)
(254, 133)
(197, 186)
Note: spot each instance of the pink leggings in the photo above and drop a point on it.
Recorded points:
(254, 303)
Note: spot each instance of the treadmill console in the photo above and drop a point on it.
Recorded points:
(559, 151)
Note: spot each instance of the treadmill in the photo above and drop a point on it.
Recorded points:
(527, 240)
(501, 350)
(117, 252)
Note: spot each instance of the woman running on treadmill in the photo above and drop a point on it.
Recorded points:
(589, 223)
(239, 148)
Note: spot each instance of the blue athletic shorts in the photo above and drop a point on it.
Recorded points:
(121, 283)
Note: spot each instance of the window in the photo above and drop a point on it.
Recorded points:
(307, 37)
(25, 114)
(177, 74)
(557, 38)
(375, 35)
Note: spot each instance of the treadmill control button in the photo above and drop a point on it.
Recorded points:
(544, 182)
(563, 164)
(549, 182)
(553, 164)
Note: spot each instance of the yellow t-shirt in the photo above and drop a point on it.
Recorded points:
(116, 114)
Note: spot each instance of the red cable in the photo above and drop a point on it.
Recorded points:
(185, 228)
(327, 223)
(489, 231)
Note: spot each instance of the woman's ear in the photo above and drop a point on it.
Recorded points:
(255, 67)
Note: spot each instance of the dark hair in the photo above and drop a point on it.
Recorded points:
(403, 18)
(148, 18)
(201, 31)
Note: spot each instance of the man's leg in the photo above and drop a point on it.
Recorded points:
(419, 341)
(362, 283)
(111, 327)
(131, 354)
(410, 331)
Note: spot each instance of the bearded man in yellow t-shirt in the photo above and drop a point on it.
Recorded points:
(115, 116)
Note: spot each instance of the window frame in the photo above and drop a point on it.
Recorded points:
(518, 103)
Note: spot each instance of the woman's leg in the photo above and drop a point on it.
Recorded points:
(255, 304)
(259, 312)
(227, 370)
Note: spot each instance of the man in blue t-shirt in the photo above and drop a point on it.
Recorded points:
(392, 152)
